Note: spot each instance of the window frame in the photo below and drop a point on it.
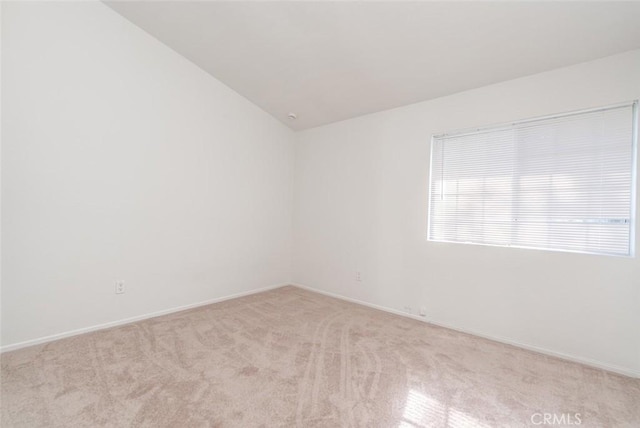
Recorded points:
(633, 219)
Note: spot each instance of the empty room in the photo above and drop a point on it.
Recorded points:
(319, 214)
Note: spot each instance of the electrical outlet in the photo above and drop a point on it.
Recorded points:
(408, 309)
(358, 276)
(120, 287)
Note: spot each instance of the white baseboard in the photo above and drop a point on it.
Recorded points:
(58, 336)
(581, 360)
(586, 361)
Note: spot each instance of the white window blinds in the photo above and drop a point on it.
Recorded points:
(565, 182)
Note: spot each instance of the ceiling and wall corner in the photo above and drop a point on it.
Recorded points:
(330, 61)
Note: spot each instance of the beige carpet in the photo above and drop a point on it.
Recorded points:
(290, 357)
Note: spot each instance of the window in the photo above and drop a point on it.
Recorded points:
(563, 182)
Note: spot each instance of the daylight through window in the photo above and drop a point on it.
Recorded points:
(564, 182)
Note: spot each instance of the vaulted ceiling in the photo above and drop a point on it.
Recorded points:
(329, 61)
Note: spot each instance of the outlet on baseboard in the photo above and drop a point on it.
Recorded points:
(423, 311)
(408, 309)
(119, 287)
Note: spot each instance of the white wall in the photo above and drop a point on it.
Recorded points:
(122, 160)
(361, 204)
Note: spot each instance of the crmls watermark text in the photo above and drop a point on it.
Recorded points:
(556, 419)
